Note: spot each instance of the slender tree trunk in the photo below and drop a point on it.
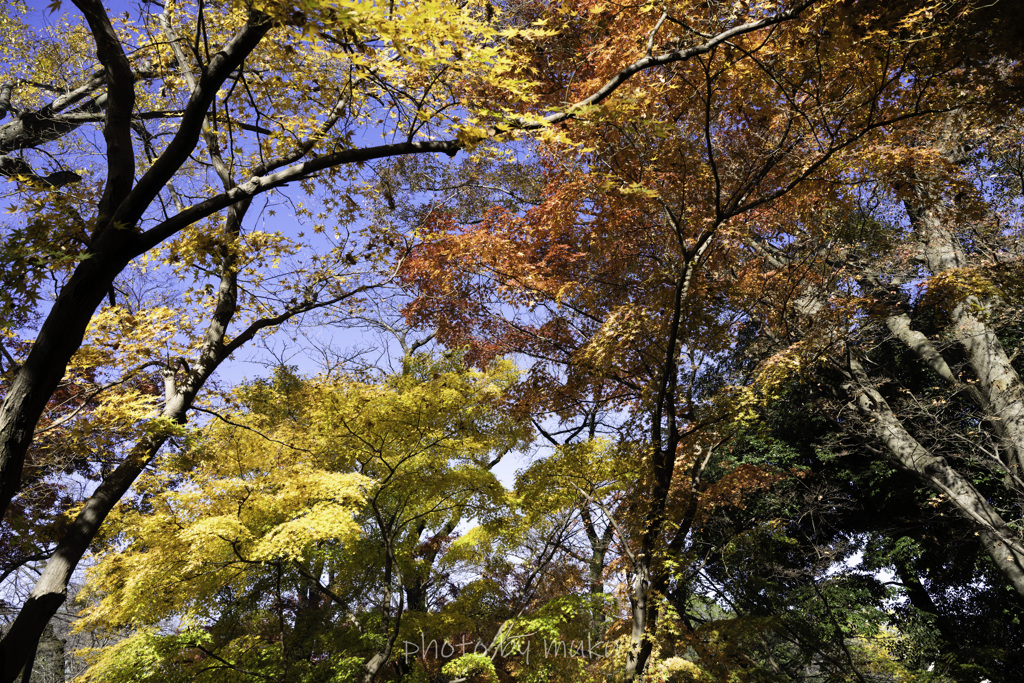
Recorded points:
(599, 544)
(50, 590)
(999, 541)
(418, 582)
(59, 337)
(376, 663)
(999, 391)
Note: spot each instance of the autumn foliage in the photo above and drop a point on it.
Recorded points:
(732, 286)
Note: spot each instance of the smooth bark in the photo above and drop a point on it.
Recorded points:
(998, 540)
(936, 221)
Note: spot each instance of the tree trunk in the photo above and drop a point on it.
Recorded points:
(1000, 393)
(60, 336)
(642, 616)
(114, 242)
(998, 540)
(50, 590)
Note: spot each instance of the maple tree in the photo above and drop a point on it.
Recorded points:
(621, 271)
(286, 538)
(709, 198)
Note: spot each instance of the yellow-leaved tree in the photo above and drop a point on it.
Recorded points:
(284, 542)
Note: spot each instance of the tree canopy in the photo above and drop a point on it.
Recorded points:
(735, 284)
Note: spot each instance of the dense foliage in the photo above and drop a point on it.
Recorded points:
(736, 286)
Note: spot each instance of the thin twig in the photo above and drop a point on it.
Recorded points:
(251, 429)
(650, 38)
(85, 401)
